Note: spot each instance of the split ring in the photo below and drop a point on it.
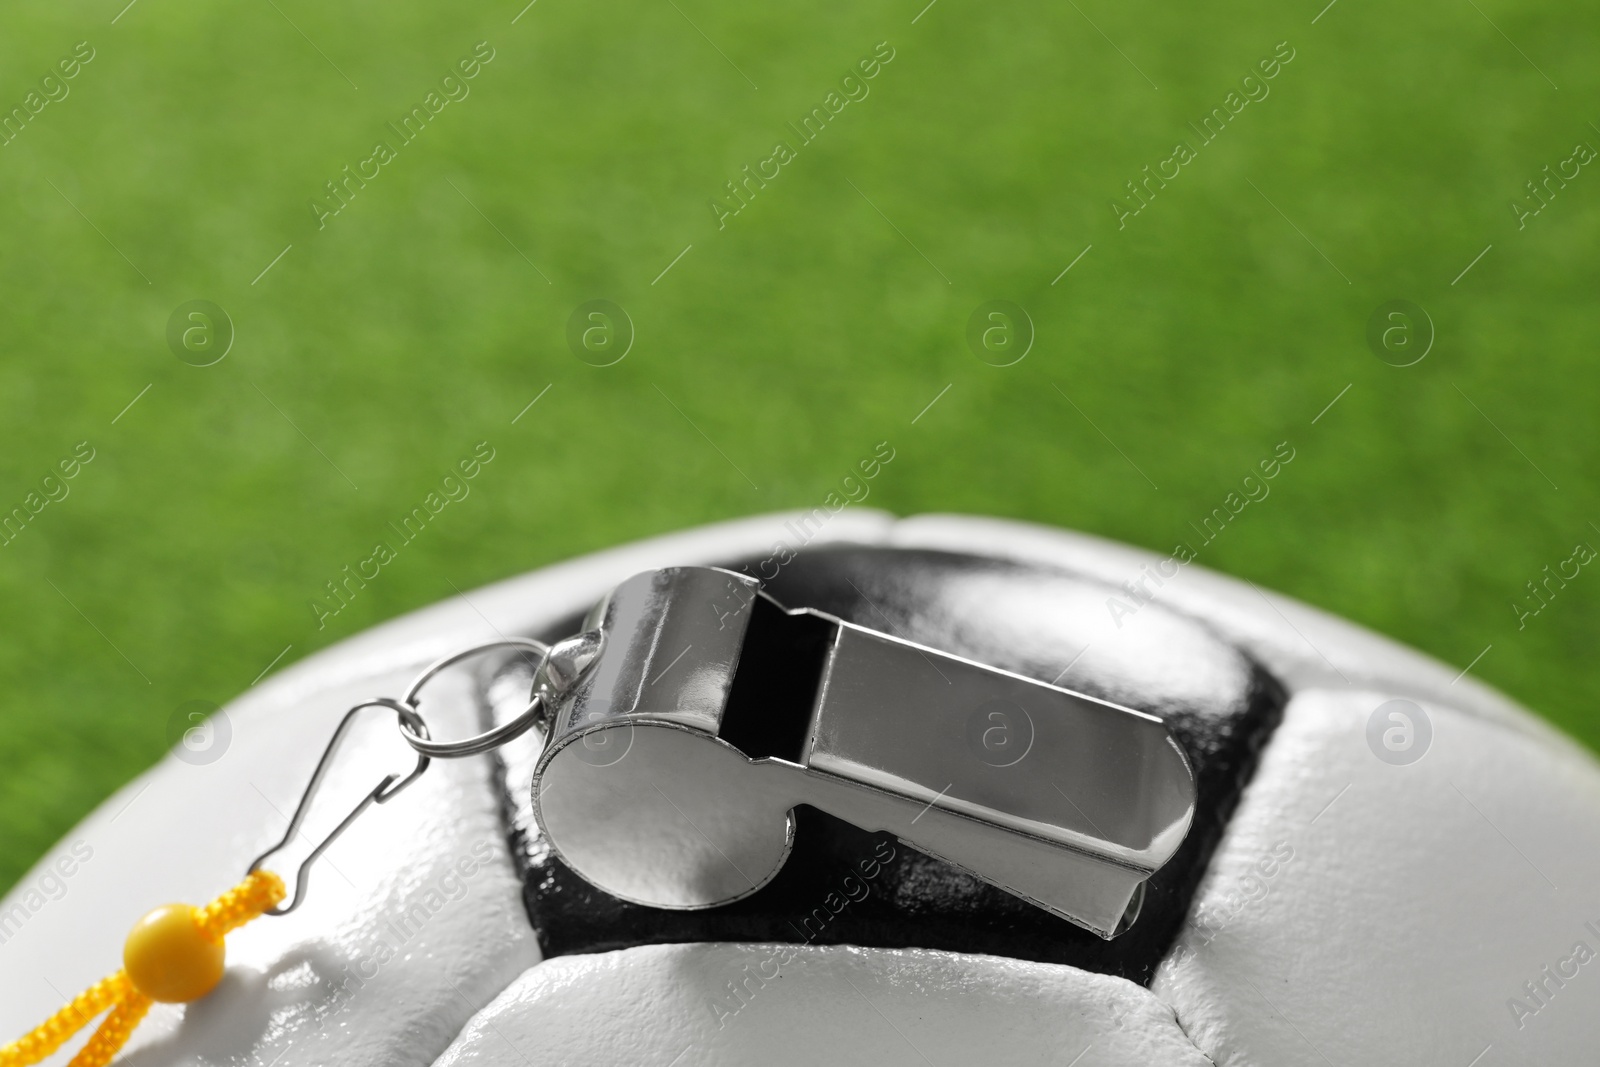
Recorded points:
(489, 739)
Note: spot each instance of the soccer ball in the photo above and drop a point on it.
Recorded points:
(1389, 862)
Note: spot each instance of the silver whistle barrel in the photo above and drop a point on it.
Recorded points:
(709, 711)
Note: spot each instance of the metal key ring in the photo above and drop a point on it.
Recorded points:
(489, 739)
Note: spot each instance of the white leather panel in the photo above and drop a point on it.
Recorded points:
(410, 917)
(726, 1005)
(1360, 911)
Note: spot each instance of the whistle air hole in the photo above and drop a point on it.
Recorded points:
(774, 688)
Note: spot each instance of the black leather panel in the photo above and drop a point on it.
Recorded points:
(842, 885)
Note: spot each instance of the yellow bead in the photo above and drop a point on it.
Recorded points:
(169, 958)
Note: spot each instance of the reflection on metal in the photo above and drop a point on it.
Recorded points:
(703, 712)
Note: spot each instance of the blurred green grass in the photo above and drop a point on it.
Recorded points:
(822, 319)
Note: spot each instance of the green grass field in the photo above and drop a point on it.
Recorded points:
(377, 345)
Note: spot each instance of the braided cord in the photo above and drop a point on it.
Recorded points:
(54, 1031)
(260, 892)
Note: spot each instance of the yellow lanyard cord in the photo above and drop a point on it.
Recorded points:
(175, 955)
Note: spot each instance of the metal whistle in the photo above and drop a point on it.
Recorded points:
(695, 712)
